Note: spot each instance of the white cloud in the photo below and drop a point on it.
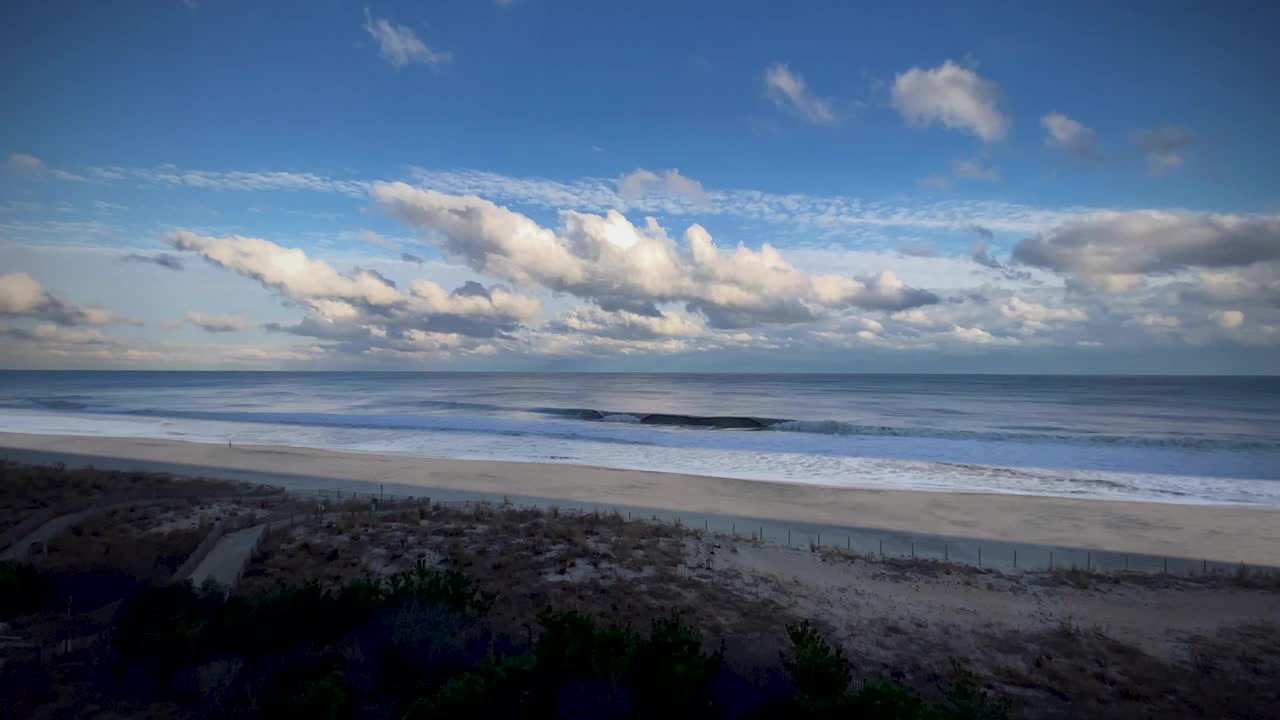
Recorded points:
(1228, 319)
(788, 89)
(24, 164)
(975, 170)
(623, 324)
(1038, 317)
(375, 239)
(1163, 147)
(953, 96)
(1157, 321)
(610, 260)
(1071, 136)
(362, 311)
(934, 182)
(22, 296)
(640, 183)
(219, 323)
(978, 336)
(399, 45)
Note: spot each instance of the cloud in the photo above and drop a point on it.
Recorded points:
(1114, 248)
(606, 258)
(978, 336)
(1068, 135)
(1228, 318)
(164, 260)
(219, 323)
(1034, 316)
(934, 182)
(627, 325)
(978, 253)
(788, 90)
(1163, 147)
(399, 45)
(24, 164)
(1157, 321)
(974, 170)
(362, 311)
(234, 180)
(636, 185)
(377, 240)
(22, 296)
(411, 258)
(953, 96)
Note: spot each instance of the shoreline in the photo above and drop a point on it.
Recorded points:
(1222, 533)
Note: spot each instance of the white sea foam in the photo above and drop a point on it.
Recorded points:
(682, 453)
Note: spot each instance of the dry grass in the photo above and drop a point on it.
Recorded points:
(25, 489)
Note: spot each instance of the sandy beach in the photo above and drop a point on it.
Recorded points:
(1223, 533)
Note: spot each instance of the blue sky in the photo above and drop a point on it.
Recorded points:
(1000, 186)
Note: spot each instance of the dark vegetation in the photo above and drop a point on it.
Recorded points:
(418, 645)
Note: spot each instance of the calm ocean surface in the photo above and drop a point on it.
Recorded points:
(1174, 439)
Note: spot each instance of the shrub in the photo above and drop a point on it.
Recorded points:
(23, 590)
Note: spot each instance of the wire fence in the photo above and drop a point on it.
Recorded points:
(870, 543)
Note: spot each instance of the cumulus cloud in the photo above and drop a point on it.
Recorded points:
(636, 185)
(1157, 321)
(219, 323)
(1070, 136)
(627, 325)
(953, 96)
(789, 90)
(1034, 316)
(607, 259)
(1228, 318)
(362, 311)
(22, 296)
(1113, 250)
(400, 45)
(978, 336)
(1163, 147)
(164, 260)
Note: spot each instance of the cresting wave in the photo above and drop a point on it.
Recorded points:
(837, 427)
(434, 420)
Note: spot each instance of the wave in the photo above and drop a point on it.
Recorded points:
(840, 427)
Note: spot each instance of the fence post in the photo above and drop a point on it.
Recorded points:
(913, 549)
(1166, 566)
(979, 556)
(788, 537)
(1088, 562)
(1015, 559)
(848, 542)
(735, 529)
(1126, 563)
(946, 552)
(761, 533)
(819, 537)
(882, 549)
(705, 525)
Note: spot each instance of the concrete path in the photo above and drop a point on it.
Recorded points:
(228, 558)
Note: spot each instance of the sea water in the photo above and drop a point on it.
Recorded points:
(1202, 440)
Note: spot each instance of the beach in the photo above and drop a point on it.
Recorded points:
(1221, 533)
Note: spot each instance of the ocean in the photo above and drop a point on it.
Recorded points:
(1204, 440)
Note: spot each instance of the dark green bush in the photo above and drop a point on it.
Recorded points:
(23, 590)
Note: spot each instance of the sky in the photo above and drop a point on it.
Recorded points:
(543, 185)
